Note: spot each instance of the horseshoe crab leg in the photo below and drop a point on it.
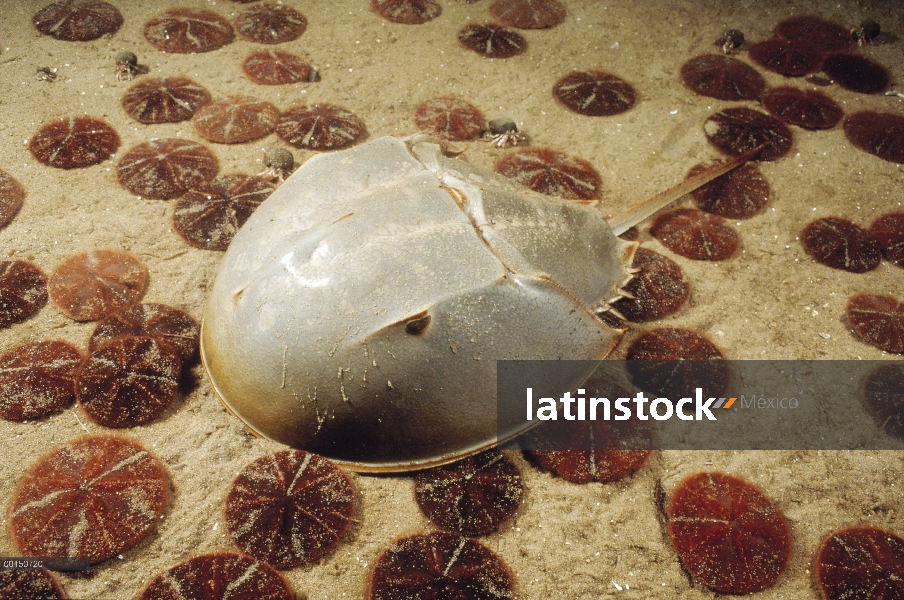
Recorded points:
(620, 223)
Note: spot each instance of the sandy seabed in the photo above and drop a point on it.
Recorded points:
(566, 541)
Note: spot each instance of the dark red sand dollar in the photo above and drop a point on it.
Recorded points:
(217, 577)
(594, 93)
(235, 119)
(669, 344)
(739, 130)
(671, 362)
(598, 453)
(128, 381)
(805, 108)
(74, 142)
(723, 77)
(582, 466)
(739, 194)
(659, 289)
(880, 134)
(822, 35)
(473, 496)
(492, 41)
(878, 319)
(272, 67)
(11, 196)
(856, 73)
(696, 234)
(883, 395)
(449, 118)
(268, 23)
(529, 14)
(208, 216)
(319, 127)
(188, 30)
(290, 508)
(23, 291)
(78, 20)
(888, 233)
(37, 583)
(165, 323)
(728, 533)
(408, 12)
(838, 243)
(166, 100)
(94, 497)
(97, 283)
(792, 58)
(164, 168)
(861, 562)
(552, 172)
(439, 565)
(37, 378)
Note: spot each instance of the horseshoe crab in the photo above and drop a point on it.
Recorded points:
(359, 312)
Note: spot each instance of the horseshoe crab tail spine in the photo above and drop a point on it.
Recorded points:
(622, 222)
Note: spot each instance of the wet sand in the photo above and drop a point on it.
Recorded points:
(566, 541)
